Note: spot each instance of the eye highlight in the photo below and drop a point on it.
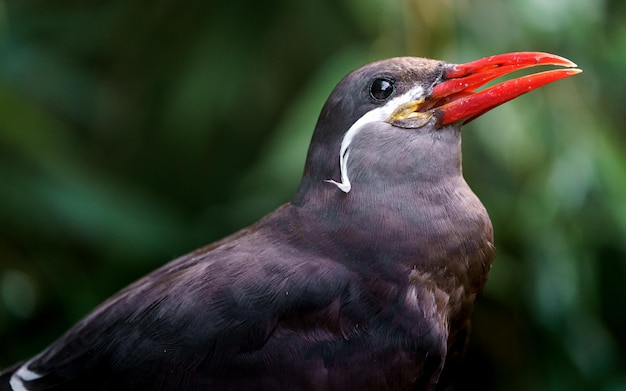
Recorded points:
(381, 89)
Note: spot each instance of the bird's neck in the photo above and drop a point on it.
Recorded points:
(435, 238)
(424, 226)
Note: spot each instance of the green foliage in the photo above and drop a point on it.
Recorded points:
(132, 133)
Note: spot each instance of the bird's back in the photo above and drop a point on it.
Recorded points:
(270, 308)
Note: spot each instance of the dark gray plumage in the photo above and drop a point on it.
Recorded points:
(366, 286)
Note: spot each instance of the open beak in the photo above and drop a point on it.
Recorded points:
(454, 98)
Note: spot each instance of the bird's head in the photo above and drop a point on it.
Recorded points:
(399, 120)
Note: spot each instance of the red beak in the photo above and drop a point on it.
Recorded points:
(456, 95)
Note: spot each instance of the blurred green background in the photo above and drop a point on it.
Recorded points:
(134, 132)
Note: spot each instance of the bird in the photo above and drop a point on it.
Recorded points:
(365, 280)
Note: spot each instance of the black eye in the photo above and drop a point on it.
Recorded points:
(381, 89)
